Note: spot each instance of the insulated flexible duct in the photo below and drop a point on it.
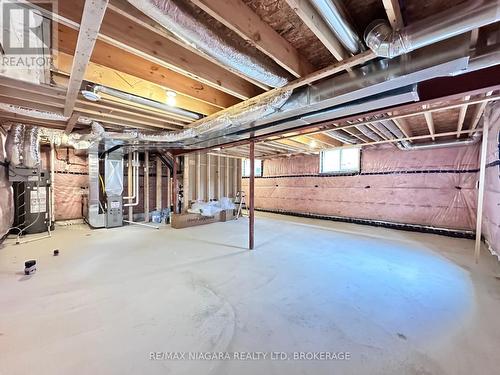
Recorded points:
(335, 17)
(389, 125)
(146, 102)
(31, 151)
(23, 146)
(343, 136)
(368, 133)
(470, 15)
(177, 18)
(14, 144)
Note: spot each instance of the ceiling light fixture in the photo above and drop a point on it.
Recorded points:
(171, 98)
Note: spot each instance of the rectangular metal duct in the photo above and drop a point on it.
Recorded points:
(323, 101)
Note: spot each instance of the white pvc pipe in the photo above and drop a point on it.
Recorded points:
(142, 224)
(134, 176)
(52, 183)
(136, 186)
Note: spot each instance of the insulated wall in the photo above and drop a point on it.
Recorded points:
(6, 201)
(70, 181)
(426, 187)
(491, 207)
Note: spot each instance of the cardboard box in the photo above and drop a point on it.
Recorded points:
(187, 220)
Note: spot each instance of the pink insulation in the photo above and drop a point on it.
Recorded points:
(440, 192)
(6, 199)
(71, 181)
(491, 207)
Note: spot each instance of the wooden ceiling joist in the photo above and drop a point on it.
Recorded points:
(479, 111)
(117, 80)
(461, 116)
(71, 122)
(308, 14)
(430, 124)
(93, 14)
(115, 58)
(393, 12)
(121, 32)
(240, 18)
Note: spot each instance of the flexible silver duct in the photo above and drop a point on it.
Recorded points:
(383, 128)
(470, 15)
(146, 102)
(23, 146)
(14, 144)
(342, 136)
(367, 132)
(31, 152)
(408, 146)
(335, 17)
(176, 17)
(226, 120)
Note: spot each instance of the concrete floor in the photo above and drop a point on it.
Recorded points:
(398, 302)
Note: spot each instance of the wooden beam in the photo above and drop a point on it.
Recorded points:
(93, 14)
(393, 12)
(130, 12)
(479, 111)
(240, 18)
(461, 116)
(251, 210)
(430, 124)
(121, 32)
(113, 57)
(313, 20)
(480, 195)
(117, 80)
(403, 126)
(326, 140)
(316, 76)
(39, 89)
(71, 122)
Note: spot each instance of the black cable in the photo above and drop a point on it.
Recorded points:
(67, 158)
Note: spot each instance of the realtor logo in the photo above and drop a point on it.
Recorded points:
(26, 33)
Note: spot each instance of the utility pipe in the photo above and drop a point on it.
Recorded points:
(142, 224)
(52, 183)
(146, 102)
(335, 17)
(136, 185)
(386, 42)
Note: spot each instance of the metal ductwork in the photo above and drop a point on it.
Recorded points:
(483, 61)
(188, 115)
(367, 132)
(342, 136)
(405, 145)
(333, 14)
(181, 21)
(387, 82)
(384, 129)
(386, 42)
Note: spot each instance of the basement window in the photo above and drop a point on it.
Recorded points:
(345, 160)
(245, 168)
